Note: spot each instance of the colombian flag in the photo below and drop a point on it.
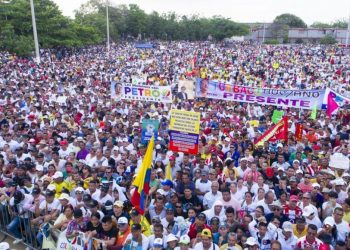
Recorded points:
(142, 180)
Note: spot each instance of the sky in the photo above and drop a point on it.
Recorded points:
(238, 10)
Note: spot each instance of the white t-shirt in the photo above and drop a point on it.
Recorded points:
(145, 242)
(343, 229)
(20, 206)
(199, 246)
(54, 205)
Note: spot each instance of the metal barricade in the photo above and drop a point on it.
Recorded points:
(18, 226)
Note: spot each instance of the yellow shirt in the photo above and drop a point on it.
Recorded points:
(224, 247)
(297, 234)
(60, 186)
(347, 217)
(145, 226)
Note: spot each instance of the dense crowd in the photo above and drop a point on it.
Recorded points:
(69, 151)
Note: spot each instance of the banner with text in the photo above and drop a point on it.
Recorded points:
(149, 129)
(184, 131)
(147, 93)
(303, 99)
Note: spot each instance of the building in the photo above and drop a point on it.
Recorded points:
(264, 32)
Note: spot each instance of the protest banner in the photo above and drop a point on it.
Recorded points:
(274, 133)
(339, 161)
(147, 93)
(185, 90)
(303, 99)
(149, 129)
(184, 131)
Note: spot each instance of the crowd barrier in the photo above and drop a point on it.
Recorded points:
(11, 222)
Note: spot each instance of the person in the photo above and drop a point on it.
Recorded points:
(136, 240)
(300, 227)
(93, 226)
(137, 218)
(107, 237)
(252, 244)
(206, 241)
(182, 95)
(342, 227)
(203, 88)
(20, 216)
(231, 243)
(309, 241)
(276, 245)
(77, 225)
(286, 236)
(184, 243)
(158, 233)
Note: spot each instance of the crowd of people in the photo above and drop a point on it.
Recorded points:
(69, 151)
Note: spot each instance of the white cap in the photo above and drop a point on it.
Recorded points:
(51, 187)
(159, 170)
(185, 239)
(79, 189)
(58, 174)
(299, 171)
(116, 148)
(338, 182)
(296, 161)
(307, 211)
(171, 237)
(4, 246)
(64, 196)
(280, 169)
(329, 221)
(227, 139)
(80, 138)
(345, 175)
(243, 159)
(39, 168)
(251, 241)
(123, 220)
(280, 145)
(158, 242)
(136, 124)
(158, 146)
(287, 226)
(314, 185)
(160, 191)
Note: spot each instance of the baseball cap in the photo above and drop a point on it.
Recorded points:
(206, 232)
(167, 183)
(79, 189)
(307, 211)
(36, 191)
(135, 227)
(122, 220)
(280, 169)
(329, 221)
(293, 178)
(158, 242)
(316, 185)
(118, 204)
(251, 241)
(4, 246)
(58, 174)
(49, 193)
(184, 239)
(51, 187)
(64, 196)
(134, 212)
(293, 198)
(299, 171)
(287, 226)
(170, 238)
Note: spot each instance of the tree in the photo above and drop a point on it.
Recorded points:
(320, 25)
(328, 39)
(292, 21)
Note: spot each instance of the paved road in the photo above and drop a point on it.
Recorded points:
(9, 240)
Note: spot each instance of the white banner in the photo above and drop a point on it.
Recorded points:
(149, 93)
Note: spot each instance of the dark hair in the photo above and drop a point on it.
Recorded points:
(68, 206)
(158, 225)
(276, 242)
(262, 224)
(312, 227)
(226, 190)
(97, 215)
(230, 210)
(262, 208)
(106, 219)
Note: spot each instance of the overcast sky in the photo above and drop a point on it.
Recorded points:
(237, 10)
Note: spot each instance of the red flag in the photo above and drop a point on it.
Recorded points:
(298, 131)
(277, 132)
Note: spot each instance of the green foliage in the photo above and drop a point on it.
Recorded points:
(292, 21)
(53, 28)
(131, 21)
(340, 24)
(320, 25)
(328, 39)
(272, 41)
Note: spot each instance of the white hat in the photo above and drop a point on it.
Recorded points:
(4, 246)
(80, 138)
(280, 145)
(185, 239)
(227, 139)
(251, 241)
(116, 148)
(280, 169)
(329, 221)
(158, 146)
(158, 242)
(39, 168)
(338, 182)
(296, 161)
(243, 159)
(287, 226)
(51, 187)
(58, 174)
(123, 220)
(307, 211)
(171, 237)
(299, 171)
(64, 196)
(314, 185)
(345, 175)
(79, 189)
(136, 124)
(159, 170)
(161, 191)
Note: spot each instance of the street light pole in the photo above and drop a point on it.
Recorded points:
(107, 20)
(36, 43)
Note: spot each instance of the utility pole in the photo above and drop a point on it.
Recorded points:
(36, 43)
(107, 20)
